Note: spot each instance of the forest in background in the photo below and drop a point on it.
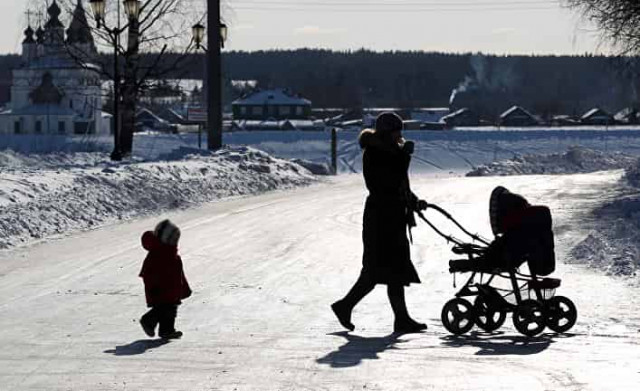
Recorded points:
(545, 85)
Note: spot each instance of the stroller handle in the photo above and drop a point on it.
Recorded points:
(449, 238)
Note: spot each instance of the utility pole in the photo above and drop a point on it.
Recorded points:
(129, 91)
(116, 154)
(214, 73)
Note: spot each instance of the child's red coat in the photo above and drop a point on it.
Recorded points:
(162, 273)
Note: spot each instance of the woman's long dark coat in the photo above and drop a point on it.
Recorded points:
(387, 214)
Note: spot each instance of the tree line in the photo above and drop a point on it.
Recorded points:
(545, 85)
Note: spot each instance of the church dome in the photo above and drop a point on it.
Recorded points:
(40, 35)
(54, 12)
(79, 31)
(28, 36)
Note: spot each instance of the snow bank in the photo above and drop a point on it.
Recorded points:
(315, 168)
(576, 160)
(613, 246)
(614, 243)
(43, 195)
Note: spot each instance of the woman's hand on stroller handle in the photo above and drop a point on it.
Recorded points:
(422, 205)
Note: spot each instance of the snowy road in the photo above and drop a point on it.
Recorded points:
(264, 271)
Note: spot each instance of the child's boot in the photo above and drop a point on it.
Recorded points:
(175, 334)
(148, 329)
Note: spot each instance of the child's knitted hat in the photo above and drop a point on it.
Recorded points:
(167, 233)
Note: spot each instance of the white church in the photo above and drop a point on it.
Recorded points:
(54, 92)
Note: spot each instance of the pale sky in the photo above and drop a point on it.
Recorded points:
(489, 26)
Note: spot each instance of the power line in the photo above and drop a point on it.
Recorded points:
(386, 3)
(388, 6)
(403, 10)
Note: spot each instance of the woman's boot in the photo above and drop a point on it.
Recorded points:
(342, 308)
(403, 322)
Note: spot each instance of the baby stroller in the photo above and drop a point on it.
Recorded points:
(523, 234)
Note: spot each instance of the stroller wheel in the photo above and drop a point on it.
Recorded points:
(561, 314)
(488, 318)
(458, 316)
(529, 318)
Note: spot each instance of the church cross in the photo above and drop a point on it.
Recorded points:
(29, 13)
(39, 14)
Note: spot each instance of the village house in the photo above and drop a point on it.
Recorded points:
(628, 116)
(277, 104)
(462, 117)
(429, 114)
(147, 120)
(597, 116)
(517, 116)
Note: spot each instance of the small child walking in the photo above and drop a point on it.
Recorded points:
(165, 284)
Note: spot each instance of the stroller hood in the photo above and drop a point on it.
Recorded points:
(504, 206)
(524, 231)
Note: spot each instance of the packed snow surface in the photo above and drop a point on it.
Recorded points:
(264, 271)
(42, 195)
(436, 151)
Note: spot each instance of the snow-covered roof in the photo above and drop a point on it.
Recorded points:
(288, 124)
(595, 112)
(516, 109)
(170, 115)
(427, 114)
(431, 109)
(457, 113)
(149, 114)
(272, 97)
(353, 122)
(379, 110)
(626, 113)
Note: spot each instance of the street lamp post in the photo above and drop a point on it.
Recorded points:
(132, 9)
(214, 85)
(214, 72)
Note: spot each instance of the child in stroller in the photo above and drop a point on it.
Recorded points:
(523, 234)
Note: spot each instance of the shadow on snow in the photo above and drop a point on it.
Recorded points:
(358, 349)
(137, 347)
(498, 344)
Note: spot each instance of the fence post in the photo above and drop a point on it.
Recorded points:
(334, 151)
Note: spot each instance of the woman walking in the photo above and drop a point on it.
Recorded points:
(388, 212)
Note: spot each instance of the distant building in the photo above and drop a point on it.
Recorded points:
(411, 124)
(52, 93)
(597, 116)
(278, 104)
(429, 114)
(628, 116)
(254, 125)
(517, 116)
(171, 116)
(462, 117)
(148, 120)
(564, 120)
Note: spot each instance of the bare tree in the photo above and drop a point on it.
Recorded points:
(157, 45)
(618, 21)
(619, 25)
